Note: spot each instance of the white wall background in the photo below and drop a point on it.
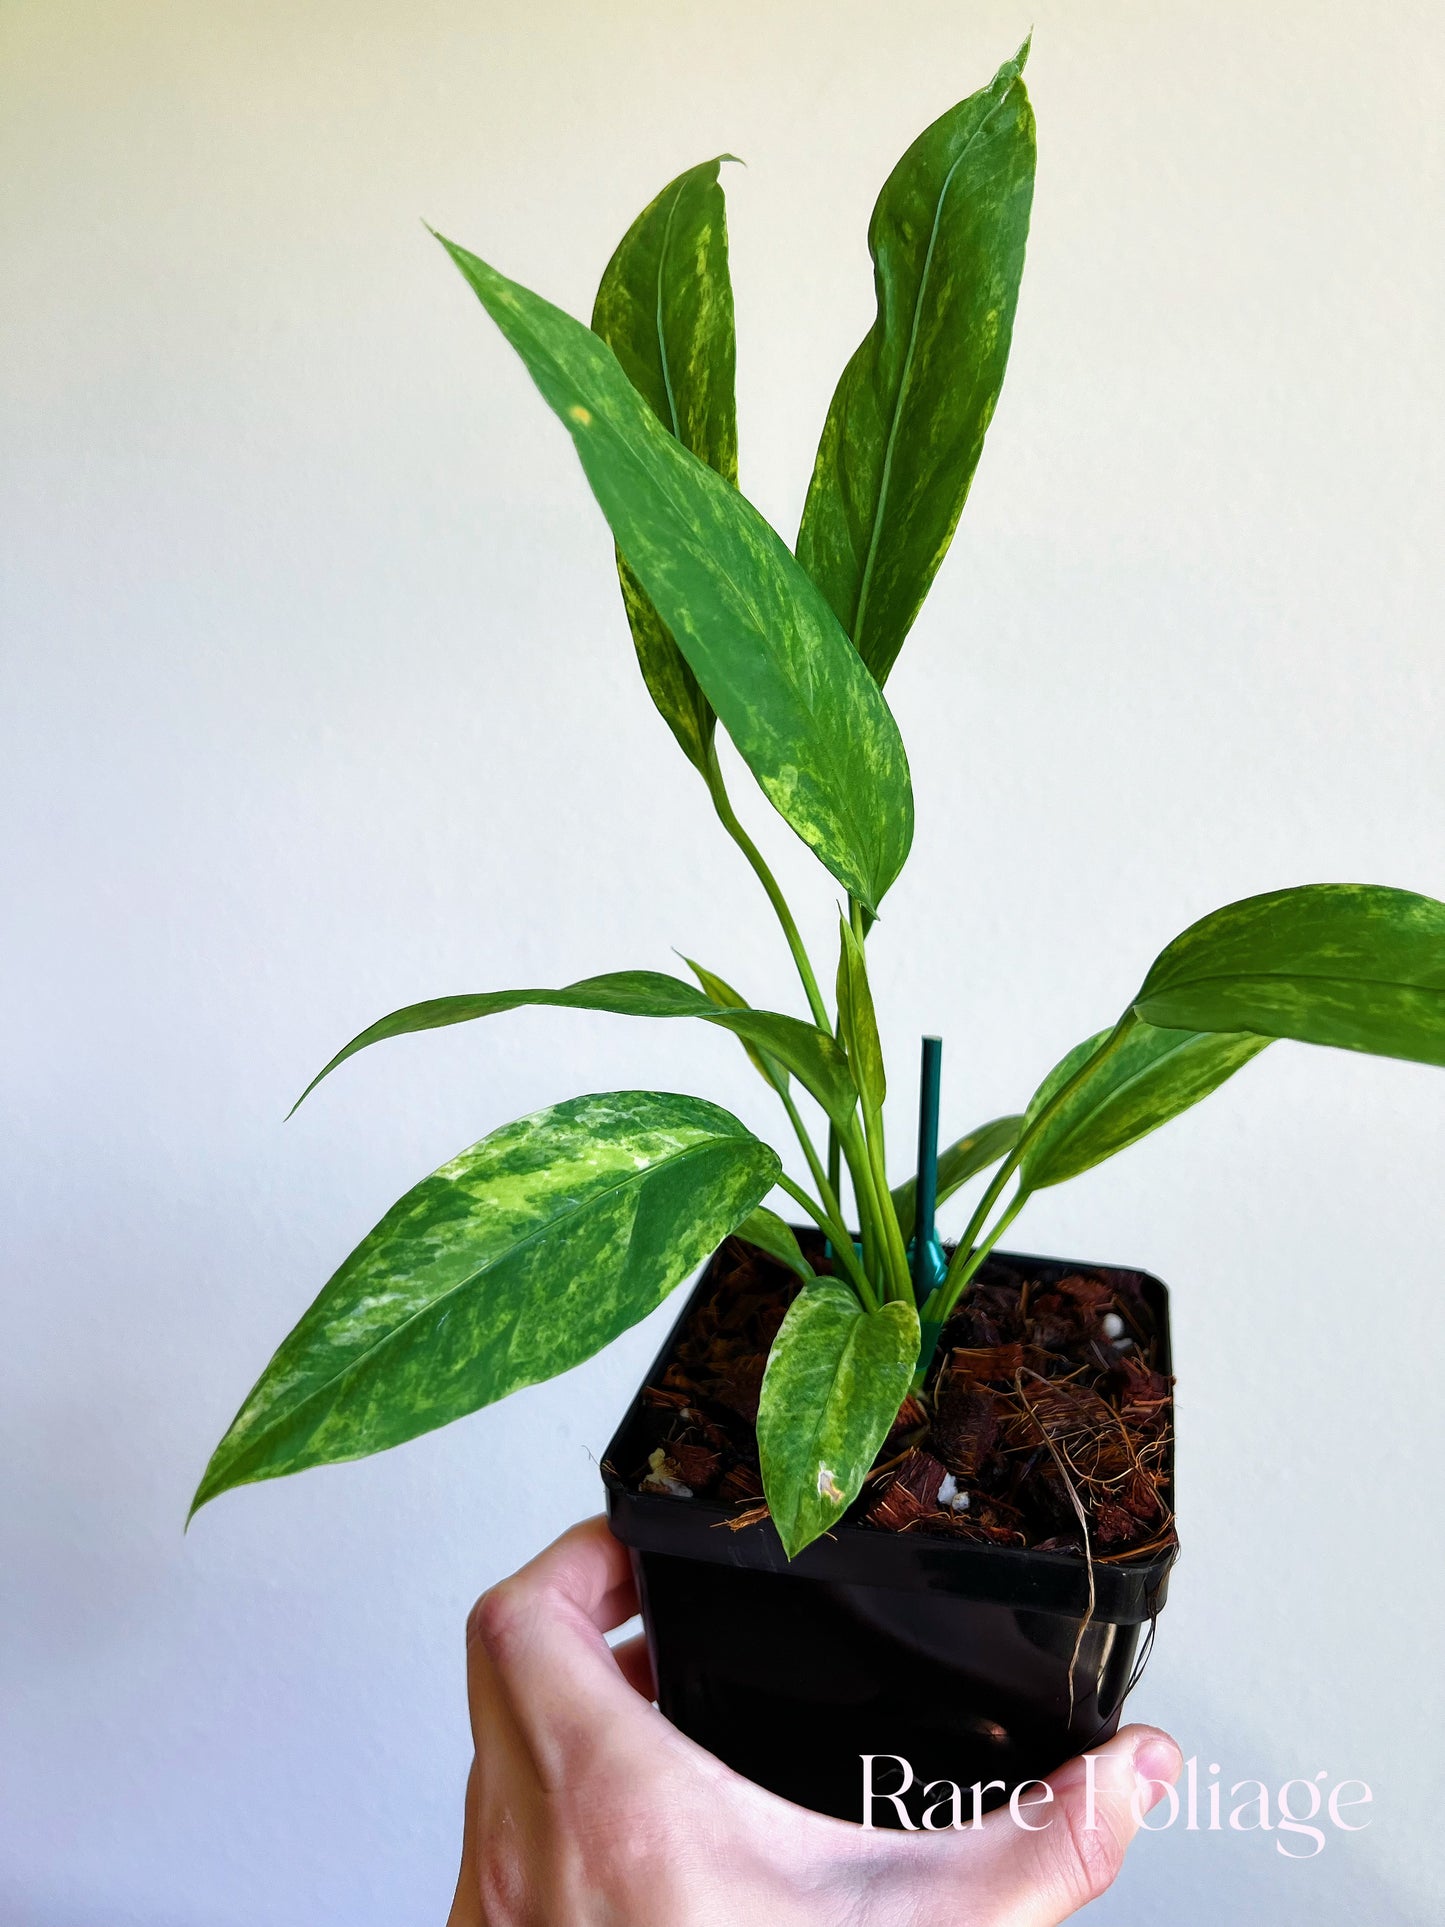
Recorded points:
(318, 698)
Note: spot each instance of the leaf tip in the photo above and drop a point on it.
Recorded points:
(306, 1093)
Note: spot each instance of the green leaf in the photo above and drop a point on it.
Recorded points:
(765, 647)
(769, 1233)
(1358, 966)
(720, 992)
(514, 1262)
(1149, 1076)
(665, 309)
(858, 1022)
(811, 1054)
(835, 1378)
(1355, 965)
(907, 422)
(963, 1159)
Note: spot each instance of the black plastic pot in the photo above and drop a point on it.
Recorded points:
(952, 1656)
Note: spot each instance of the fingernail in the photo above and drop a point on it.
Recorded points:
(1157, 1763)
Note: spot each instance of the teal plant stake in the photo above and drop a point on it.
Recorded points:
(925, 1253)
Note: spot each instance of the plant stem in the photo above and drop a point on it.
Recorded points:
(897, 1251)
(932, 1316)
(722, 803)
(962, 1250)
(838, 1237)
(827, 1190)
(933, 1313)
(888, 1253)
(868, 1162)
(856, 1159)
(981, 1251)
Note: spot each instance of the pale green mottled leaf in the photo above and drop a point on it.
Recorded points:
(766, 649)
(811, 1054)
(907, 423)
(771, 1234)
(963, 1159)
(514, 1262)
(1149, 1076)
(665, 309)
(835, 1378)
(720, 992)
(1355, 965)
(857, 1022)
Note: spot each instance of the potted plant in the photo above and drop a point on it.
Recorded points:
(949, 1473)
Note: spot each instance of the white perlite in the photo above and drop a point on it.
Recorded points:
(950, 1496)
(659, 1479)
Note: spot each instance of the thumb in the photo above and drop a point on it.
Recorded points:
(1065, 1850)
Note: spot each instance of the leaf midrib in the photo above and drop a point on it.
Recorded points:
(866, 579)
(662, 255)
(1287, 977)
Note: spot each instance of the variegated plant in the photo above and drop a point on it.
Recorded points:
(534, 1248)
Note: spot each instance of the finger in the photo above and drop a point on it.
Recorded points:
(587, 1568)
(634, 1662)
(467, 1902)
(1065, 1843)
(540, 1636)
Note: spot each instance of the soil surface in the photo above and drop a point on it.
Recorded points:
(1044, 1403)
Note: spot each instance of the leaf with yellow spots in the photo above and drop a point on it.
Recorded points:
(835, 1378)
(788, 686)
(665, 309)
(1355, 965)
(516, 1261)
(906, 425)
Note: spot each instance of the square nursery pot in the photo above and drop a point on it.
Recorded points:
(951, 1655)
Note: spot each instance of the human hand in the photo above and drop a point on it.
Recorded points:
(586, 1808)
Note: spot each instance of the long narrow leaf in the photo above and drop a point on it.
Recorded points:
(514, 1262)
(906, 427)
(766, 649)
(857, 1021)
(962, 1160)
(1151, 1076)
(772, 1234)
(665, 309)
(720, 992)
(811, 1054)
